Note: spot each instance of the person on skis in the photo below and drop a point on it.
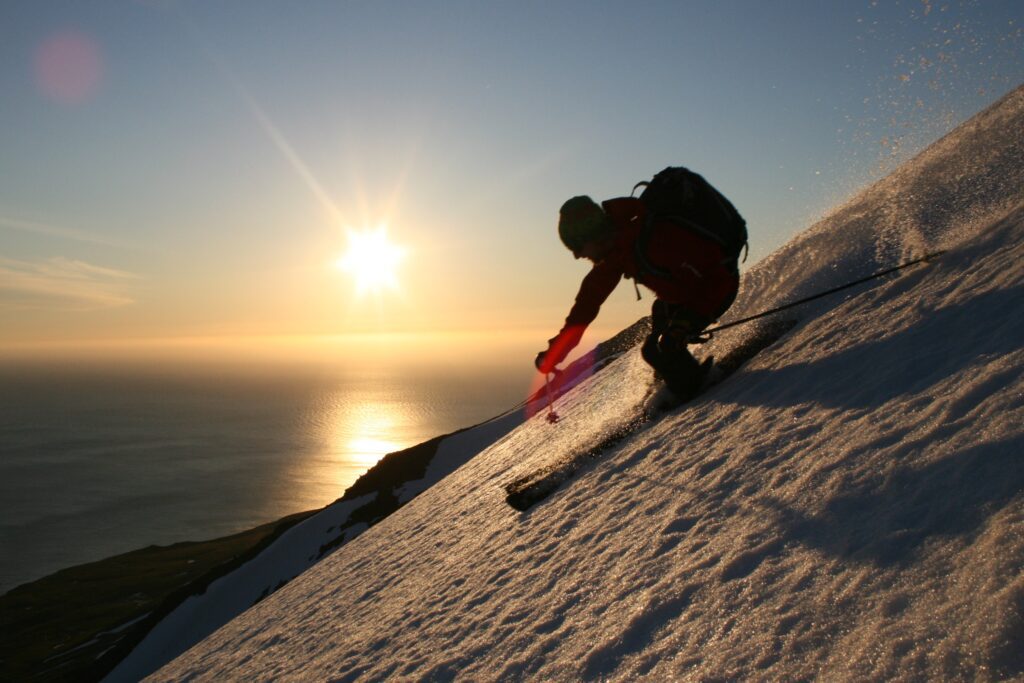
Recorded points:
(682, 240)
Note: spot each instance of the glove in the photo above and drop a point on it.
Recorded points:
(545, 363)
(538, 362)
(559, 347)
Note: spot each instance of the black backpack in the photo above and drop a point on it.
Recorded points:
(683, 197)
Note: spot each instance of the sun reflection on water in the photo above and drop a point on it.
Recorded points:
(359, 435)
(364, 452)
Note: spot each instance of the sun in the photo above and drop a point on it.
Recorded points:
(372, 260)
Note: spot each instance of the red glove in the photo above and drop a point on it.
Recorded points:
(541, 362)
(558, 348)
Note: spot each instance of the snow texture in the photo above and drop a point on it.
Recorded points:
(295, 551)
(848, 505)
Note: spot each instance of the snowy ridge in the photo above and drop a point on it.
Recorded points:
(299, 548)
(970, 175)
(849, 505)
(387, 486)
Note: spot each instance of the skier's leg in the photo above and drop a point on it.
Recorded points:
(677, 366)
(667, 348)
(659, 323)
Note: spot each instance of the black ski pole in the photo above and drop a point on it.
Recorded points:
(819, 295)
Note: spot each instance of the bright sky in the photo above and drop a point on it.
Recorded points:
(196, 169)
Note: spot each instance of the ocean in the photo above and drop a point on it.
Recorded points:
(100, 458)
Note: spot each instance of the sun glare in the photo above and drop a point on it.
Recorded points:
(372, 260)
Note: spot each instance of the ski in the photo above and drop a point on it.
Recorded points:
(525, 492)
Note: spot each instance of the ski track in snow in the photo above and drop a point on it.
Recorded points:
(849, 505)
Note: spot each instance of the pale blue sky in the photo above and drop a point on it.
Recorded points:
(201, 185)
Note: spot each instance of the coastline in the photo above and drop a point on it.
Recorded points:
(69, 624)
(82, 621)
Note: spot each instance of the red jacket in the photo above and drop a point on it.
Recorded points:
(697, 274)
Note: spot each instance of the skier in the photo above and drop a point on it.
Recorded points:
(682, 240)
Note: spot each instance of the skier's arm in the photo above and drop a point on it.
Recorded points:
(596, 287)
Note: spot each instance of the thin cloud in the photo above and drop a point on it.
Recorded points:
(61, 283)
(56, 231)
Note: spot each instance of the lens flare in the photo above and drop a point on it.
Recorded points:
(546, 389)
(68, 67)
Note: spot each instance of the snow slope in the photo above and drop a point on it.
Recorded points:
(848, 505)
(215, 599)
(303, 545)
